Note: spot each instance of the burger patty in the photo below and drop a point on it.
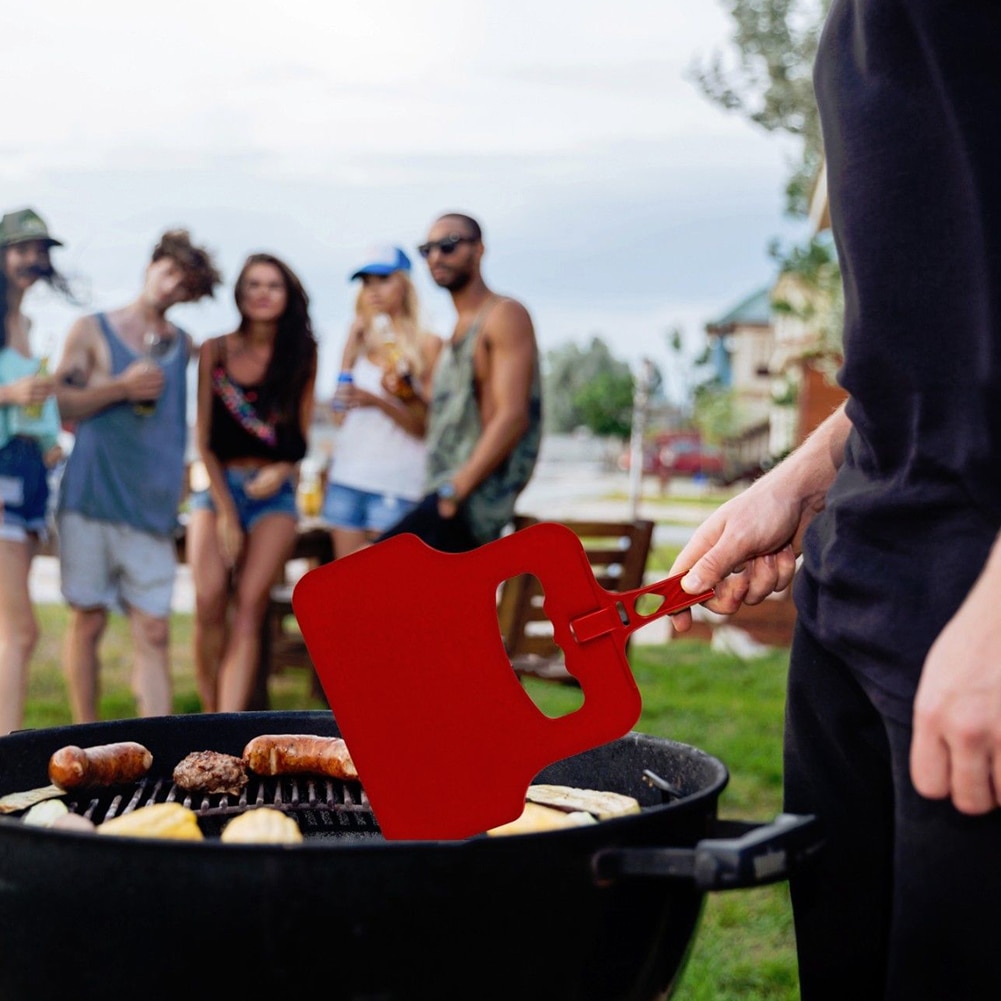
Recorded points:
(211, 772)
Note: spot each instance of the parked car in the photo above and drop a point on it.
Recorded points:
(679, 453)
(683, 453)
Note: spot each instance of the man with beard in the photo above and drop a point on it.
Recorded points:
(122, 380)
(484, 422)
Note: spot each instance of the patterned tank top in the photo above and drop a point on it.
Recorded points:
(454, 427)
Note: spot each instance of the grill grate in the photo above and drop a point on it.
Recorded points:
(323, 807)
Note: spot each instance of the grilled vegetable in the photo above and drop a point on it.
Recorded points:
(45, 814)
(161, 820)
(265, 825)
(15, 801)
(601, 804)
(104, 764)
(74, 822)
(535, 818)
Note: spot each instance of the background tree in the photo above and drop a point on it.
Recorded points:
(586, 387)
(821, 306)
(772, 82)
(688, 376)
(716, 414)
(605, 404)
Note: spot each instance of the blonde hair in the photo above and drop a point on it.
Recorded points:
(407, 326)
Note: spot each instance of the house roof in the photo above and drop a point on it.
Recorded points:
(754, 311)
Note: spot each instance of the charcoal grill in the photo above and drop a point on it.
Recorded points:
(324, 808)
(603, 911)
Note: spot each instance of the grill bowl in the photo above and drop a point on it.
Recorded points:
(351, 914)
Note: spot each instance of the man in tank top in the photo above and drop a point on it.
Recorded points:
(122, 384)
(485, 413)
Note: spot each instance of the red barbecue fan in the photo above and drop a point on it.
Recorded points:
(406, 643)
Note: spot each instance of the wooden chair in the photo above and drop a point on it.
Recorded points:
(617, 552)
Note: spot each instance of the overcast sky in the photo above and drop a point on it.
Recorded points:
(615, 199)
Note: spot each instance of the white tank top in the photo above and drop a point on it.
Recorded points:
(372, 452)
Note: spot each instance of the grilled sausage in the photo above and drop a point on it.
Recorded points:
(104, 764)
(299, 753)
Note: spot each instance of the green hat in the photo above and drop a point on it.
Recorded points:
(23, 226)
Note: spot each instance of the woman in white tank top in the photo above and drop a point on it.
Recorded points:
(378, 468)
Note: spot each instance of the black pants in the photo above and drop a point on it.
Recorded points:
(449, 535)
(904, 903)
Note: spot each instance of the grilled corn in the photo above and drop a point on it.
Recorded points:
(161, 820)
(265, 825)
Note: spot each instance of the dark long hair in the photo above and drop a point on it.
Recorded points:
(47, 274)
(293, 360)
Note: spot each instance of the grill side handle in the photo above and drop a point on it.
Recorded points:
(739, 855)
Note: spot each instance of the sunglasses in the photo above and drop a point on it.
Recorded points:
(445, 247)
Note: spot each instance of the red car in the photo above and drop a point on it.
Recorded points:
(683, 453)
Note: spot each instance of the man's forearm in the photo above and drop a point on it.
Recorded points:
(811, 468)
(495, 444)
(79, 403)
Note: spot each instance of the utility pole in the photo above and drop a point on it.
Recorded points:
(641, 400)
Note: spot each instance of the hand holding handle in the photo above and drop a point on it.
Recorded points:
(621, 616)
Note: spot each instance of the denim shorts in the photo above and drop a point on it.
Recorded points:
(249, 510)
(24, 490)
(361, 510)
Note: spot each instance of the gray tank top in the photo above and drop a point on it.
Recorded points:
(125, 467)
(454, 427)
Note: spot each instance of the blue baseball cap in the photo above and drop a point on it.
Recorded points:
(382, 260)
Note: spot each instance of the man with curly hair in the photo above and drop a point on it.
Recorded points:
(122, 383)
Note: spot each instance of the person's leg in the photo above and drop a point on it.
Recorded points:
(24, 496)
(947, 868)
(268, 546)
(348, 540)
(837, 766)
(147, 570)
(210, 578)
(151, 681)
(87, 586)
(18, 631)
(81, 661)
(344, 511)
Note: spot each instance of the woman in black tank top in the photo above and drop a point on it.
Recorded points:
(255, 403)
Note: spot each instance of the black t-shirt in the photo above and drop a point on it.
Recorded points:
(910, 99)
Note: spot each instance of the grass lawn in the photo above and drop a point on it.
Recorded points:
(728, 707)
(744, 950)
(47, 704)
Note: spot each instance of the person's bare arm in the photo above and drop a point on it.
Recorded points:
(84, 385)
(411, 412)
(510, 342)
(29, 390)
(349, 355)
(747, 548)
(307, 404)
(228, 529)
